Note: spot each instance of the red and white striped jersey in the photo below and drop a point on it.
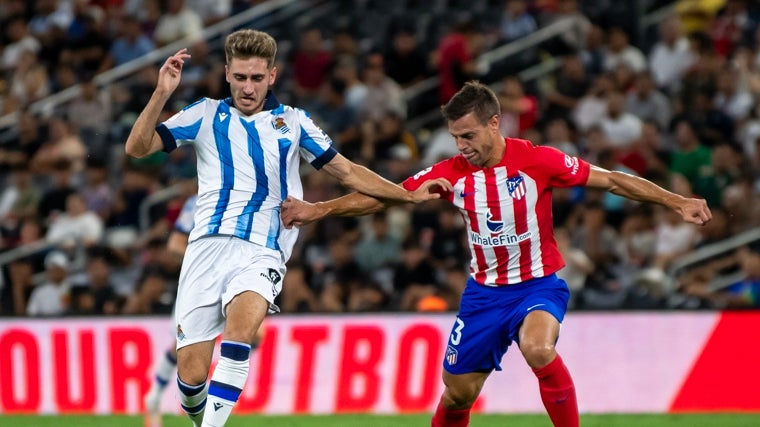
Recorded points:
(507, 209)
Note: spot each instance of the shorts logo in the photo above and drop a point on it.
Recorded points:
(274, 277)
(180, 334)
(451, 355)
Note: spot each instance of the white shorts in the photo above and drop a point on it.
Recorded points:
(215, 270)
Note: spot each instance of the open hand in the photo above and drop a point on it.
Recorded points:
(431, 189)
(170, 73)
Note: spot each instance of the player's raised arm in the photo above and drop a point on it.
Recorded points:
(143, 139)
(363, 180)
(639, 189)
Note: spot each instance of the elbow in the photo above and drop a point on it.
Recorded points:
(131, 149)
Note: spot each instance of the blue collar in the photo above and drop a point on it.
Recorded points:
(270, 102)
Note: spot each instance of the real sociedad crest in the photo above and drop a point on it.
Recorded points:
(493, 226)
(278, 124)
(516, 187)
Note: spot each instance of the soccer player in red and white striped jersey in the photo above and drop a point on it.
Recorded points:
(502, 187)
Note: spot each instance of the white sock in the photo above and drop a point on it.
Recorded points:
(227, 382)
(193, 400)
(163, 372)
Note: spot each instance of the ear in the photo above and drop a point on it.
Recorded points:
(272, 76)
(493, 123)
(227, 73)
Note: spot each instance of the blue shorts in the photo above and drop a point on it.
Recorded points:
(490, 317)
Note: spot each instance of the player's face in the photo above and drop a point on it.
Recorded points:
(249, 81)
(477, 142)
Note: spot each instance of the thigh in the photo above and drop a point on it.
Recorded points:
(260, 270)
(197, 310)
(477, 341)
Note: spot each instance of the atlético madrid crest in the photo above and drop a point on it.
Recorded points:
(516, 187)
(451, 355)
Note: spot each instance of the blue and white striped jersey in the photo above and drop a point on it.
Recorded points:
(247, 165)
(185, 220)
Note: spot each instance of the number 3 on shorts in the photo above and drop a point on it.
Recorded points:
(456, 334)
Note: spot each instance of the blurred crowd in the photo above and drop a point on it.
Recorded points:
(677, 106)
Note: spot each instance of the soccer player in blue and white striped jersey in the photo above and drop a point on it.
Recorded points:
(248, 148)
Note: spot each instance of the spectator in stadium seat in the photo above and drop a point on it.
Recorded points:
(310, 62)
(404, 60)
(620, 50)
(130, 44)
(383, 93)
(671, 57)
(519, 111)
(494, 314)
(456, 57)
(51, 298)
(621, 128)
(570, 85)
(178, 22)
(646, 102)
(77, 225)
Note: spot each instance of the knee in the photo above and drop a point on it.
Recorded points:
(537, 353)
(460, 397)
(191, 370)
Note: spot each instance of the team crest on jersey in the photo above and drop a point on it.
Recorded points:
(493, 226)
(516, 187)
(451, 355)
(180, 334)
(278, 124)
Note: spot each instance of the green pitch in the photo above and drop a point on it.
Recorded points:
(691, 420)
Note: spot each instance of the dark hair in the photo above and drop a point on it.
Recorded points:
(474, 97)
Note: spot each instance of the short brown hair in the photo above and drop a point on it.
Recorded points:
(244, 44)
(473, 97)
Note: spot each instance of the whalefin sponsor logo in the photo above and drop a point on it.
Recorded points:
(494, 226)
(499, 240)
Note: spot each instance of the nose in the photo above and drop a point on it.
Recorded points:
(460, 143)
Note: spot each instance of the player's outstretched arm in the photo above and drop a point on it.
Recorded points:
(143, 139)
(363, 180)
(639, 189)
(296, 212)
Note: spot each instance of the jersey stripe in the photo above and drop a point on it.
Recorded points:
(495, 195)
(187, 132)
(521, 227)
(479, 257)
(537, 233)
(221, 138)
(245, 220)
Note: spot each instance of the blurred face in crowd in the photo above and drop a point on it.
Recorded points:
(249, 81)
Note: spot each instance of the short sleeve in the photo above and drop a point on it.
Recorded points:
(316, 145)
(183, 126)
(562, 170)
(438, 170)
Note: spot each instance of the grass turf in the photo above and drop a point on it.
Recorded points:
(609, 420)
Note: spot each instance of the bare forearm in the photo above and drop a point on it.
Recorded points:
(641, 190)
(354, 204)
(140, 137)
(365, 181)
